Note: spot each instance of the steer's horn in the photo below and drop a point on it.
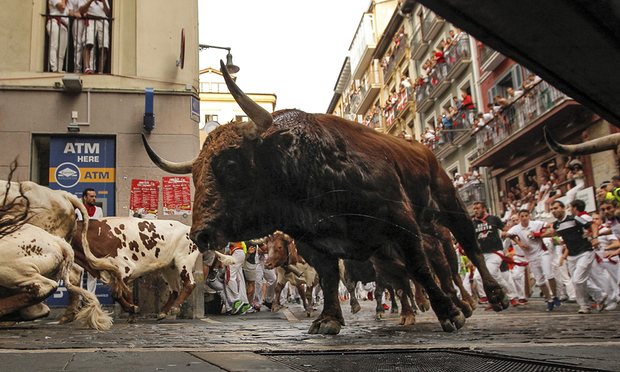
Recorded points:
(609, 142)
(170, 167)
(259, 116)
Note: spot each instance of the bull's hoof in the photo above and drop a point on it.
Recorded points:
(66, 318)
(325, 327)
(423, 304)
(134, 309)
(175, 310)
(466, 309)
(275, 308)
(379, 315)
(456, 321)
(447, 325)
(131, 319)
(308, 314)
(408, 319)
(501, 305)
(394, 310)
(161, 316)
(355, 308)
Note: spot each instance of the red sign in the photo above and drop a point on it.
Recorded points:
(176, 195)
(144, 200)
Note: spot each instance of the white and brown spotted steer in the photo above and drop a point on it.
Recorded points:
(139, 247)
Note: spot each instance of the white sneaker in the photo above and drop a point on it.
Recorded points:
(584, 310)
(611, 306)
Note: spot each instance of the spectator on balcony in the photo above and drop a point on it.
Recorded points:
(513, 95)
(57, 26)
(429, 137)
(457, 103)
(490, 113)
(459, 180)
(467, 107)
(576, 174)
(440, 60)
(97, 29)
(447, 127)
(500, 101)
(405, 82)
(78, 29)
(530, 81)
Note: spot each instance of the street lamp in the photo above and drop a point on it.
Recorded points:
(232, 68)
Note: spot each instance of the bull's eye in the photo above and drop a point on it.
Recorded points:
(228, 172)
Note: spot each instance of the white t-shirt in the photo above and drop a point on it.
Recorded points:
(54, 11)
(96, 8)
(535, 246)
(98, 214)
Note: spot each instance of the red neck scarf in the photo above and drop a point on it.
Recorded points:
(91, 209)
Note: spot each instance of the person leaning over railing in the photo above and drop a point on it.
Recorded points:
(57, 26)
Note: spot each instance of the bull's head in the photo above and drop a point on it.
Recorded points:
(221, 171)
(609, 142)
(281, 250)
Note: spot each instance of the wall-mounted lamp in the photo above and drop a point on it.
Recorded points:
(230, 66)
(72, 83)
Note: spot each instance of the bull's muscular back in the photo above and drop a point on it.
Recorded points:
(324, 153)
(49, 209)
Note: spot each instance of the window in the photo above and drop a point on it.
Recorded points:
(209, 118)
(64, 51)
(241, 118)
(512, 79)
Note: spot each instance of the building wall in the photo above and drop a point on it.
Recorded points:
(604, 164)
(145, 45)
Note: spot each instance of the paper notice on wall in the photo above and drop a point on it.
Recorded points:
(144, 200)
(176, 196)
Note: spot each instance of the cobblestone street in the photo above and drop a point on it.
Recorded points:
(529, 332)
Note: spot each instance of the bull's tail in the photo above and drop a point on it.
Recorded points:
(102, 264)
(91, 313)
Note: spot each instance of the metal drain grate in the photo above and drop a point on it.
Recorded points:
(412, 360)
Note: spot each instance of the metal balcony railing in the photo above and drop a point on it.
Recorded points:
(472, 192)
(67, 38)
(373, 121)
(519, 114)
(485, 53)
(456, 53)
(394, 57)
(418, 45)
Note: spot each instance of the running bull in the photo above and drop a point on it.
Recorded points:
(339, 188)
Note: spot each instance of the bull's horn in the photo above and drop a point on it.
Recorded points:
(609, 142)
(170, 167)
(259, 116)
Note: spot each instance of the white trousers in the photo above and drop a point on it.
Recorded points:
(235, 287)
(493, 263)
(579, 267)
(57, 45)
(264, 276)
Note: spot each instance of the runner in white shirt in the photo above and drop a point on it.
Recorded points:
(604, 272)
(89, 197)
(527, 236)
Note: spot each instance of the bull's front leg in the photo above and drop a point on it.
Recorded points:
(330, 321)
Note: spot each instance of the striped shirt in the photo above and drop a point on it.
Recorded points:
(572, 230)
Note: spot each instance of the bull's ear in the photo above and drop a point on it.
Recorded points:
(280, 138)
(293, 257)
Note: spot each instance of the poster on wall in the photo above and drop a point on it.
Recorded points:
(176, 196)
(144, 199)
(77, 163)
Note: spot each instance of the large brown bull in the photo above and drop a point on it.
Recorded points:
(340, 188)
